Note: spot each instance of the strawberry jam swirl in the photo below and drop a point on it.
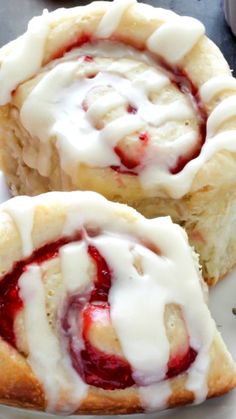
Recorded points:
(181, 80)
(96, 367)
(128, 110)
(117, 300)
(10, 300)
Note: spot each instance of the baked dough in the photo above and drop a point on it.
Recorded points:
(130, 101)
(102, 310)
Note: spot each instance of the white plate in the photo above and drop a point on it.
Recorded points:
(222, 299)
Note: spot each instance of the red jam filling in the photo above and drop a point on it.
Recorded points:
(178, 364)
(88, 58)
(125, 160)
(10, 301)
(75, 43)
(181, 79)
(132, 162)
(144, 137)
(119, 169)
(97, 368)
(132, 109)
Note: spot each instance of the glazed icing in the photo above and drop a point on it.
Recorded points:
(215, 86)
(24, 58)
(112, 17)
(23, 218)
(222, 112)
(167, 277)
(46, 357)
(155, 396)
(75, 265)
(186, 32)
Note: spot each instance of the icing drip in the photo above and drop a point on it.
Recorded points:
(195, 382)
(135, 292)
(45, 355)
(23, 216)
(43, 359)
(185, 31)
(75, 267)
(225, 110)
(155, 396)
(112, 17)
(29, 49)
(215, 86)
(143, 320)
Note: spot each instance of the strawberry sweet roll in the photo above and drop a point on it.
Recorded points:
(102, 310)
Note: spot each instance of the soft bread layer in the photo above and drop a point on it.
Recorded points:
(28, 393)
(198, 213)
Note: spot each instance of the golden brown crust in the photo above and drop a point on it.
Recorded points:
(18, 385)
(22, 389)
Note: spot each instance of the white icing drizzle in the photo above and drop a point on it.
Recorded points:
(137, 297)
(45, 354)
(134, 297)
(75, 266)
(174, 39)
(97, 110)
(25, 59)
(23, 217)
(222, 112)
(137, 307)
(195, 381)
(45, 112)
(112, 17)
(178, 185)
(215, 86)
(155, 396)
